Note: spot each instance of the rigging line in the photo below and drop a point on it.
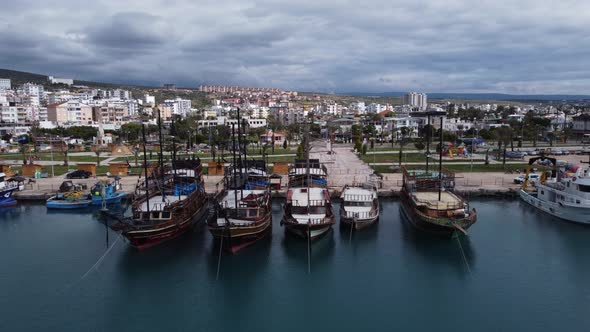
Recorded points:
(100, 259)
(463, 254)
(95, 264)
(219, 260)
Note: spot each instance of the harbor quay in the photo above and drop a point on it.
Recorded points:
(476, 184)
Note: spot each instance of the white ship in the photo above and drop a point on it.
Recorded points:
(567, 198)
(360, 205)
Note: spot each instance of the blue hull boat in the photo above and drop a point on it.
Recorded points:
(108, 191)
(55, 203)
(113, 199)
(6, 198)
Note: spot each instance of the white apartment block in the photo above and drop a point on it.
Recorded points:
(56, 80)
(374, 108)
(30, 89)
(222, 120)
(5, 83)
(259, 112)
(149, 100)
(179, 106)
(9, 114)
(70, 112)
(415, 100)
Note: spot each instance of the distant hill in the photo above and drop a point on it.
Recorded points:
(479, 96)
(20, 77)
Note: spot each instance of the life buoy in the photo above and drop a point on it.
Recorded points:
(574, 178)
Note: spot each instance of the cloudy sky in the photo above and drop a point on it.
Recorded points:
(516, 46)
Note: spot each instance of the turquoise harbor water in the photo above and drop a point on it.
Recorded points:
(522, 271)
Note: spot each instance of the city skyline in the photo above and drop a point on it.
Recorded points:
(517, 47)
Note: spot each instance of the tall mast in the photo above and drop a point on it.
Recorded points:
(161, 154)
(240, 155)
(233, 134)
(440, 155)
(173, 132)
(306, 150)
(145, 170)
(428, 142)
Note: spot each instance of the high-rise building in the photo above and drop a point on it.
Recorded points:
(415, 100)
(179, 106)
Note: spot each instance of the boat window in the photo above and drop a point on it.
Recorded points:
(166, 215)
(241, 213)
(568, 184)
(577, 202)
(584, 188)
(349, 203)
(156, 215)
(542, 192)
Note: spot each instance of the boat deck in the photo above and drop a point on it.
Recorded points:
(358, 194)
(158, 204)
(448, 200)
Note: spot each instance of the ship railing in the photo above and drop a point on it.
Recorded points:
(444, 205)
(313, 202)
(316, 221)
(358, 198)
(361, 214)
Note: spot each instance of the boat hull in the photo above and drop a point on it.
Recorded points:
(304, 231)
(6, 197)
(147, 238)
(53, 203)
(359, 224)
(422, 223)
(567, 213)
(97, 200)
(236, 238)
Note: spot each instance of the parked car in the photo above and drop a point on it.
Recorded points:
(515, 154)
(531, 152)
(532, 178)
(79, 174)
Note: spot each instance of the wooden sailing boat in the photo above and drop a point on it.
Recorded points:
(429, 203)
(242, 211)
(168, 202)
(360, 205)
(308, 210)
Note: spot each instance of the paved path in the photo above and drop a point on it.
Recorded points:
(344, 167)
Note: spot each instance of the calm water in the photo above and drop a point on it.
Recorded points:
(523, 271)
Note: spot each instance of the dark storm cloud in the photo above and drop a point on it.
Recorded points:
(519, 46)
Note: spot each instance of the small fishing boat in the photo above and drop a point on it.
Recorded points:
(105, 192)
(308, 173)
(69, 200)
(308, 212)
(7, 187)
(360, 205)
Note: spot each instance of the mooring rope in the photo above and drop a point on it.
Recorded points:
(463, 254)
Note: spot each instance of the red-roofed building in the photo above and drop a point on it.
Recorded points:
(269, 137)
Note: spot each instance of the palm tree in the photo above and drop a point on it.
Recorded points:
(504, 135)
(97, 152)
(404, 131)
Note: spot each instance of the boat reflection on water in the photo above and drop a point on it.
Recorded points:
(457, 253)
(322, 249)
